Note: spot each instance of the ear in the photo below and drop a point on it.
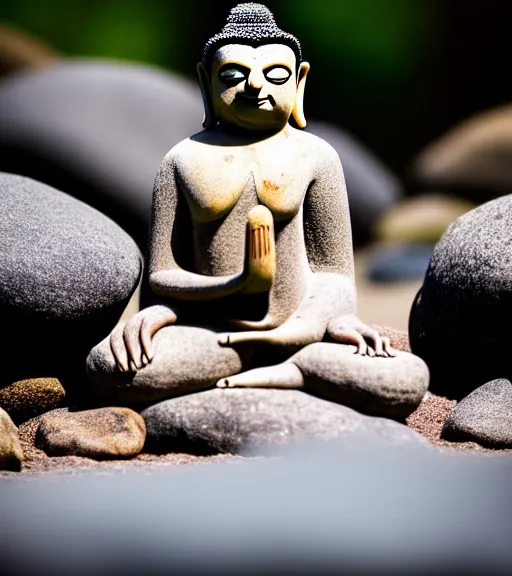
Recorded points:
(209, 120)
(298, 108)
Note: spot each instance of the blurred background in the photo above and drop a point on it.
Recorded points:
(395, 73)
(388, 78)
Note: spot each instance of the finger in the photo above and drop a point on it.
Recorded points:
(371, 352)
(131, 337)
(391, 352)
(117, 347)
(154, 319)
(375, 338)
(145, 341)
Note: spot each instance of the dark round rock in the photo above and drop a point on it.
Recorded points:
(98, 130)
(66, 274)
(246, 421)
(399, 263)
(485, 416)
(460, 320)
(372, 188)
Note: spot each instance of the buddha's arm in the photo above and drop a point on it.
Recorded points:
(168, 242)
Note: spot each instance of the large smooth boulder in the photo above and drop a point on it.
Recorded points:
(460, 320)
(11, 453)
(98, 130)
(66, 274)
(485, 416)
(246, 421)
(472, 159)
(372, 188)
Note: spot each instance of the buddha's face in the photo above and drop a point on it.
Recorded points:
(254, 88)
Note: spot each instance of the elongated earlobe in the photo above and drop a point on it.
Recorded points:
(298, 109)
(209, 119)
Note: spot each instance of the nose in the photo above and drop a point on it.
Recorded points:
(255, 80)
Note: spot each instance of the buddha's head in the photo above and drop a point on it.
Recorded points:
(252, 76)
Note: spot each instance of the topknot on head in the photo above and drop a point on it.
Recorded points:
(252, 24)
(250, 13)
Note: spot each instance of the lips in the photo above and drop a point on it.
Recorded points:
(257, 102)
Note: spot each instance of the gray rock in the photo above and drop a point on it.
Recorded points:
(11, 454)
(243, 421)
(485, 416)
(103, 433)
(66, 274)
(97, 130)
(372, 188)
(390, 387)
(460, 320)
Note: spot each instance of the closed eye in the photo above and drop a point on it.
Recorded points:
(277, 74)
(233, 75)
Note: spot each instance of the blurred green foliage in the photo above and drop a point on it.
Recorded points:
(364, 53)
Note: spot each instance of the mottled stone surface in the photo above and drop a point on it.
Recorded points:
(399, 262)
(66, 274)
(460, 320)
(102, 433)
(11, 454)
(245, 421)
(391, 387)
(485, 416)
(472, 159)
(372, 188)
(26, 399)
(186, 359)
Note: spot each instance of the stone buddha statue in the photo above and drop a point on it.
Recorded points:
(250, 244)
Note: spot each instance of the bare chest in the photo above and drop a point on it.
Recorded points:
(214, 186)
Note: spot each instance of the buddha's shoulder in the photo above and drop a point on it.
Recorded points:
(317, 148)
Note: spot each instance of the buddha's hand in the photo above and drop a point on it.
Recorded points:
(350, 330)
(260, 264)
(130, 341)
